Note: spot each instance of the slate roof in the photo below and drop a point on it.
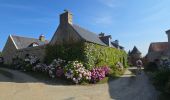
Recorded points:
(87, 35)
(135, 51)
(105, 39)
(114, 44)
(24, 42)
(158, 47)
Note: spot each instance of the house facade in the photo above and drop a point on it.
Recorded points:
(17, 46)
(133, 56)
(66, 33)
(159, 50)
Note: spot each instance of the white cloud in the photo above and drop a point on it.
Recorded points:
(103, 20)
(109, 3)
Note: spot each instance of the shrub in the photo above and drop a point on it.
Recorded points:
(99, 73)
(17, 63)
(69, 52)
(72, 70)
(167, 87)
(115, 72)
(89, 54)
(77, 72)
(160, 79)
(151, 66)
(55, 69)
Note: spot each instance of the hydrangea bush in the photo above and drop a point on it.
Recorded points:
(99, 73)
(77, 72)
(55, 69)
(71, 70)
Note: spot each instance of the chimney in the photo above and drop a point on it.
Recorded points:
(101, 34)
(117, 42)
(66, 18)
(105, 39)
(168, 33)
(42, 38)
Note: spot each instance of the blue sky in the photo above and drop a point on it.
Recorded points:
(132, 22)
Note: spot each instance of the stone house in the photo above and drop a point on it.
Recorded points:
(66, 33)
(17, 46)
(159, 50)
(133, 56)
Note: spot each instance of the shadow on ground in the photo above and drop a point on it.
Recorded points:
(127, 87)
(9, 75)
(132, 86)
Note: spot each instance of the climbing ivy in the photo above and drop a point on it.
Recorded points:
(97, 55)
(89, 54)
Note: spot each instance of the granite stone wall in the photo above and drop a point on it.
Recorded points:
(9, 51)
(38, 51)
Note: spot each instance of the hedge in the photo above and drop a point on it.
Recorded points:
(67, 52)
(89, 54)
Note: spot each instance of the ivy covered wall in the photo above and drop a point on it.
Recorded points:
(97, 55)
(89, 54)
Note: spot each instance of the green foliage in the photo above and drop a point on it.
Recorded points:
(116, 72)
(89, 54)
(68, 52)
(161, 80)
(97, 55)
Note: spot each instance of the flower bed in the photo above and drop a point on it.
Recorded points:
(70, 70)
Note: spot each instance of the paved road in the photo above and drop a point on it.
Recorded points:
(16, 85)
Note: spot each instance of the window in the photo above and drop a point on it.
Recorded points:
(34, 44)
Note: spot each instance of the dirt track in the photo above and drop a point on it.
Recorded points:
(15, 85)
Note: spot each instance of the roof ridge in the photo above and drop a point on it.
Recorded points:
(24, 42)
(24, 37)
(158, 42)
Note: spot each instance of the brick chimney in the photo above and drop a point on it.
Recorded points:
(66, 18)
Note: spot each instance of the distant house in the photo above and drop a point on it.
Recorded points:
(133, 56)
(17, 46)
(66, 33)
(159, 50)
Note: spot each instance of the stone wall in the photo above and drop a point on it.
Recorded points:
(65, 34)
(9, 51)
(38, 51)
(152, 56)
(133, 58)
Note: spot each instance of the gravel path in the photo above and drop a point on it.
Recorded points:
(16, 85)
